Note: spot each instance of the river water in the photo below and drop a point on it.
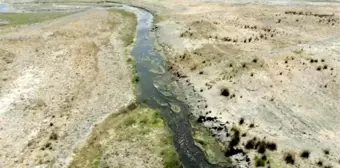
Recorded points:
(150, 67)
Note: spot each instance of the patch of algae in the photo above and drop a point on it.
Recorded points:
(214, 150)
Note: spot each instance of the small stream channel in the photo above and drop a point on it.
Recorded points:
(147, 60)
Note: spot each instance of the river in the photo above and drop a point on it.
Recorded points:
(150, 67)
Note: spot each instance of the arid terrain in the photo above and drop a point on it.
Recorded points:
(261, 76)
(65, 78)
(57, 81)
(269, 72)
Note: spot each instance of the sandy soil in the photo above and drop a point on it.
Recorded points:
(57, 80)
(278, 66)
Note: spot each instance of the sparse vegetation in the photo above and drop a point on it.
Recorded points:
(318, 68)
(241, 121)
(255, 60)
(298, 51)
(259, 162)
(250, 144)
(261, 147)
(326, 151)
(289, 158)
(213, 149)
(251, 125)
(127, 37)
(16, 19)
(135, 78)
(305, 154)
(129, 60)
(271, 146)
(225, 92)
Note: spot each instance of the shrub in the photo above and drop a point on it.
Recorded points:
(271, 146)
(241, 121)
(225, 92)
(319, 163)
(136, 79)
(259, 162)
(298, 51)
(289, 158)
(234, 141)
(252, 125)
(250, 144)
(129, 60)
(54, 136)
(326, 151)
(304, 154)
(261, 147)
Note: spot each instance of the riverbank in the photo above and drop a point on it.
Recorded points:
(58, 79)
(136, 138)
(269, 72)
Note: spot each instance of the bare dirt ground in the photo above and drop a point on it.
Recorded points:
(249, 71)
(278, 67)
(58, 79)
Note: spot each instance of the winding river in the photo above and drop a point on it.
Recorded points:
(150, 68)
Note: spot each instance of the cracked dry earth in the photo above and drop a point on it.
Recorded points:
(57, 79)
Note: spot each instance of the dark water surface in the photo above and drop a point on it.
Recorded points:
(147, 59)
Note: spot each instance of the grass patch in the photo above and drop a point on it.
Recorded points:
(128, 35)
(142, 125)
(16, 19)
(214, 150)
(259, 162)
(298, 51)
(135, 78)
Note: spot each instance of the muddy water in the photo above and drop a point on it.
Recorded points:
(151, 69)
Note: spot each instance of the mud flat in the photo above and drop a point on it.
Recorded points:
(57, 80)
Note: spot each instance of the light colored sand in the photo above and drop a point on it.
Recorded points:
(299, 109)
(56, 81)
